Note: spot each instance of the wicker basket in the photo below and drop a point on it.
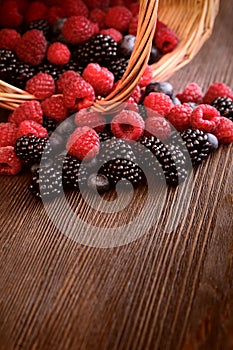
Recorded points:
(193, 22)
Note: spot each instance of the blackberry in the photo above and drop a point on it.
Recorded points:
(197, 143)
(49, 68)
(172, 163)
(118, 67)
(115, 148)
(73, 65)
(225, 106)
(104, 136)
(31, 148)
(8, 65)
(142, 111)
(49, 124)
(46, 182)
(73, 175)
(100, 49)
(23, 72)
(42, 25)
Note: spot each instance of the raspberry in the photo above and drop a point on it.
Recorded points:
(10, 164)
(158, 127)
(159, 103)
(217, 90)
(192, 93)
(205, 117)
(136, 95)
(36, 10)
(118, 17)
(31, 47)
(98, 16)
(146, 77)
(54, 13)
(76, 8)
(77, 29)
(8, 134)
(8, 38)
(179, 116)
(83, 143)
(58, 53)
(224, 131)
(133, 26)
(113, 33)
(9, 15)
(92, 119)
(41, 85)
(159, 25)
(29, 110)
(102, 4)
(65, 78)
(54, 108)
(100, 78)
(128, 125)
(134, 8)
(30, 127)
(165, 40)
(78, 92)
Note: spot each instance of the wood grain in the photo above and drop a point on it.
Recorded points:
(163, 291)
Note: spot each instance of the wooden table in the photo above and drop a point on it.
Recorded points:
(162, 291)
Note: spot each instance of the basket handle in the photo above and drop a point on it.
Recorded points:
(138, 61)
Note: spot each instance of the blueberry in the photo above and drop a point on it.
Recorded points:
(213, 141)
(163, 87)
(126, 45)
(155, 55)
(57, 26)
(175, 100)
(98, 182)
(66, 127)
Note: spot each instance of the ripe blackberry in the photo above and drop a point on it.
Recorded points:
(115, 148)
(8, 65)
(23, 72)
(142, 111)
(49, 68)
(73, 65)
(46, 182)
(42, 25)
(73, 175)
(118, 67)
(225, 106)
(31, 148)
(197, 144)
(171, 159)
(99, 49)
(49, 124)
(104, 136)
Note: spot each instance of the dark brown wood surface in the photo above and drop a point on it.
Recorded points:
(163, 291)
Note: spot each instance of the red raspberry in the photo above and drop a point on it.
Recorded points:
(36, 10)
(10, 164)
(217, 89)
(179, 116)
(146, 77)
(136, 95)
(118, 17)
(192, 93)
(8, 134)
(29, 127)
(54, 108)
(159, 103)
(41, 85)
(78, 29)
(158, 127)
(159, 25)
(83, 143)
(128, 125)
(8, 39)
(100, 78)
(113, 33)
(98, 16)
(22, 6)
(31, 47)
(133, 26)
(134, 8)
(102, 4)
(78, 94)
(165, 40)
(76, 8)
(29, 110)
(9, 15)
(54, 13)
(58, 54)
(205, 118)
(64, 78)
(131, 105)
(224, 131)
(92, 119)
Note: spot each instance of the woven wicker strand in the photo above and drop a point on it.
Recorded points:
(193, 23)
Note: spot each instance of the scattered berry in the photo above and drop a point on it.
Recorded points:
(58, 53)
(225, 106)
(205, 118)
(191, 93)
(31, 47)
(217, 90)
(8, 38)
(165, 40)
(224, 131)
(73, 174)
(78, 92)
(29, 110)
(118, 17)
(8, 134)
(76, 8)
(30, 127)
(9, 14)
(31, 148)
(77, 29)
(179, 116)
(40, 24)
(126, 45)
(49, 124)
(54, 108)
(146, 77)
(158, 127)
(159, 103)
(98, 16)
(36, 11)
(118, 67)
(41, 85)
(65, 78)
(10, 164)
(83, 143)
(127, 125)
(164, 87)
(100, 78)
